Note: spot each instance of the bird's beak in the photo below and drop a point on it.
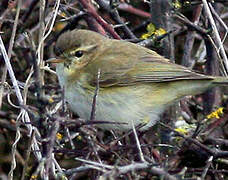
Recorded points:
(55, 60)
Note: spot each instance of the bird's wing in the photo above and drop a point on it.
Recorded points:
(149, 67)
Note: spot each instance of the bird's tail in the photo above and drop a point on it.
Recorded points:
(221, 81)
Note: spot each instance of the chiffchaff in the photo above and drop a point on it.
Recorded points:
(135, 85)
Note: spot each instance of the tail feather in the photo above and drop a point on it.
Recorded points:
(220, 81)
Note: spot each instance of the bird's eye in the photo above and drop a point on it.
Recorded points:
(78, 54)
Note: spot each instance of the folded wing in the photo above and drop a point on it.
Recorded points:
(148, 68)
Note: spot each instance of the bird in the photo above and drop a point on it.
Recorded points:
(136, 84)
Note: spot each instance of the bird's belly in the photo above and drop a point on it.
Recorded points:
(116, 110)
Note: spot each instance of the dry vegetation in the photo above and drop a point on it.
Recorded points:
(41, 139)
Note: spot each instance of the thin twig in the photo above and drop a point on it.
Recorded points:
(27, 156)
(93, 111)
(138, 166)
(214, 152)
(92, 11)
(130, 9)
(23, 114)
(209, 161)
(220, 21)
(115, 15)
(44, 36)
(49, 160)
(137, 142)
(14, 149)
(190, 38)
(11, 73)
(188, 23)
(4, 75)
(3, 80)
(217, 36)
(40, 49)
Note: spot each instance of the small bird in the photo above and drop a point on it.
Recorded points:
(135, 83)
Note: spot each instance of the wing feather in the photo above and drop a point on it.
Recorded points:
(149, 67)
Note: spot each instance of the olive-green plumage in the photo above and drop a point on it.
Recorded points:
(136, 84)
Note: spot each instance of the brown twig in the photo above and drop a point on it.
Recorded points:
(128, 8)
(189, 24)
(29, 10)
(92, 11)
(216, 153)
(190, 38)
(27, 156)
(50, 146)
(115, 15)
(94, 25)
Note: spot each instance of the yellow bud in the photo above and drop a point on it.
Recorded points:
(59, 136)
